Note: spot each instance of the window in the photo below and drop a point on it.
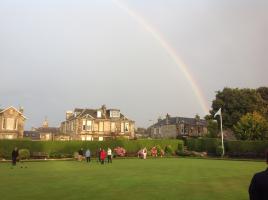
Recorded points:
(16, 124)
(98, 114)
(122, 127)
(84, 125)
(89, 125)
(4, 123)
(112, 126)
(100, 138)
(10, 124)
(114, 113)
(101, 126)
(126, 127)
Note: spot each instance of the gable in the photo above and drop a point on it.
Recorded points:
(11, 111)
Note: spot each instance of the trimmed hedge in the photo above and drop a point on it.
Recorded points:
(239, 148)
(204, 144)
(56, 148)
(249, 149)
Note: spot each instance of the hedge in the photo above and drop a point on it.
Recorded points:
(246, 148)
(204, 144)
(67, 148)
(250, 149)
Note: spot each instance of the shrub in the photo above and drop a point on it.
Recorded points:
(120, 151)
(169, 151)
(219, 150)
(24, 154)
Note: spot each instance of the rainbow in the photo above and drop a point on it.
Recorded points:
(171, 52)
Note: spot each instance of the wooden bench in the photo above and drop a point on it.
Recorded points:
(40, 155)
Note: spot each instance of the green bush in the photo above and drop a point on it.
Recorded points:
(169, 150)
(24, 154)
(219, 150)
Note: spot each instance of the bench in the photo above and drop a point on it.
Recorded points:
(40, 155)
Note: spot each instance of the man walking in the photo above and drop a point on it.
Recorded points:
(258, 189)
(109, 154)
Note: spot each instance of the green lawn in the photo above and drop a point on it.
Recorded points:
(169, 178)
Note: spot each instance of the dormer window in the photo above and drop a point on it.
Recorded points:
(98, 114)
(114, 113)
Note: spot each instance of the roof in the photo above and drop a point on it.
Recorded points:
(178, 120)
(79, 112)
(48, 130)
(3, 110)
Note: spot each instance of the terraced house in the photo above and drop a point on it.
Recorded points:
(11, 123)
(97, 124)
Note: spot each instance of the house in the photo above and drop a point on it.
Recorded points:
(177, 127)
(97, 124)
(44, 133)
(11, 123)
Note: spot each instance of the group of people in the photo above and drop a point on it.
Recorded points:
(101, 155)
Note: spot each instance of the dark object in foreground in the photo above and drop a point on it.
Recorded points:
(258, 189)
(15, 154)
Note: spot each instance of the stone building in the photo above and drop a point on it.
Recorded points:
(97, 124)
(45, 133)
(177, 127)
(11, 123)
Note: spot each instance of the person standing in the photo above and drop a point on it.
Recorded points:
(102, 156)
(80, 154)
(258, 189)
(109, 154)
(14, 155)
(88, 154)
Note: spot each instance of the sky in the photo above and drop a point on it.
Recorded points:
(57, 55)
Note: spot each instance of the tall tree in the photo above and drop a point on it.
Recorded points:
(251, 126)
(235, 103)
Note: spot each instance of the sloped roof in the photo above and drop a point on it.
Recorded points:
(178, 120)
(48, 130)
(79, 112)
(3, 110)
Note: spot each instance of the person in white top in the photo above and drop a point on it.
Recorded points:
(109, 154)
(144, 153)
(88, 154)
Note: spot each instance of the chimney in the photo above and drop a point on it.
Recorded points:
(167, 118)
(103, 108)
(21, 109)
(69, 114)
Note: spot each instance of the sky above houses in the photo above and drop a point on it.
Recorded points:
(56, 55)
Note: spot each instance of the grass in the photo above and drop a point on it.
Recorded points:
(172, 178)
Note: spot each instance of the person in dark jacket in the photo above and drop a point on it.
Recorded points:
(14, 155)
(80, 154)
(258, 189)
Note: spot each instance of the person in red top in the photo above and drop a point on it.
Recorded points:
(102, 156)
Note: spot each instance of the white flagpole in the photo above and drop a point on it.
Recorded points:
(222, 144)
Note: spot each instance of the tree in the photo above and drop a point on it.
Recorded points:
(213, 129)
(235, 103)
(252, 126)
